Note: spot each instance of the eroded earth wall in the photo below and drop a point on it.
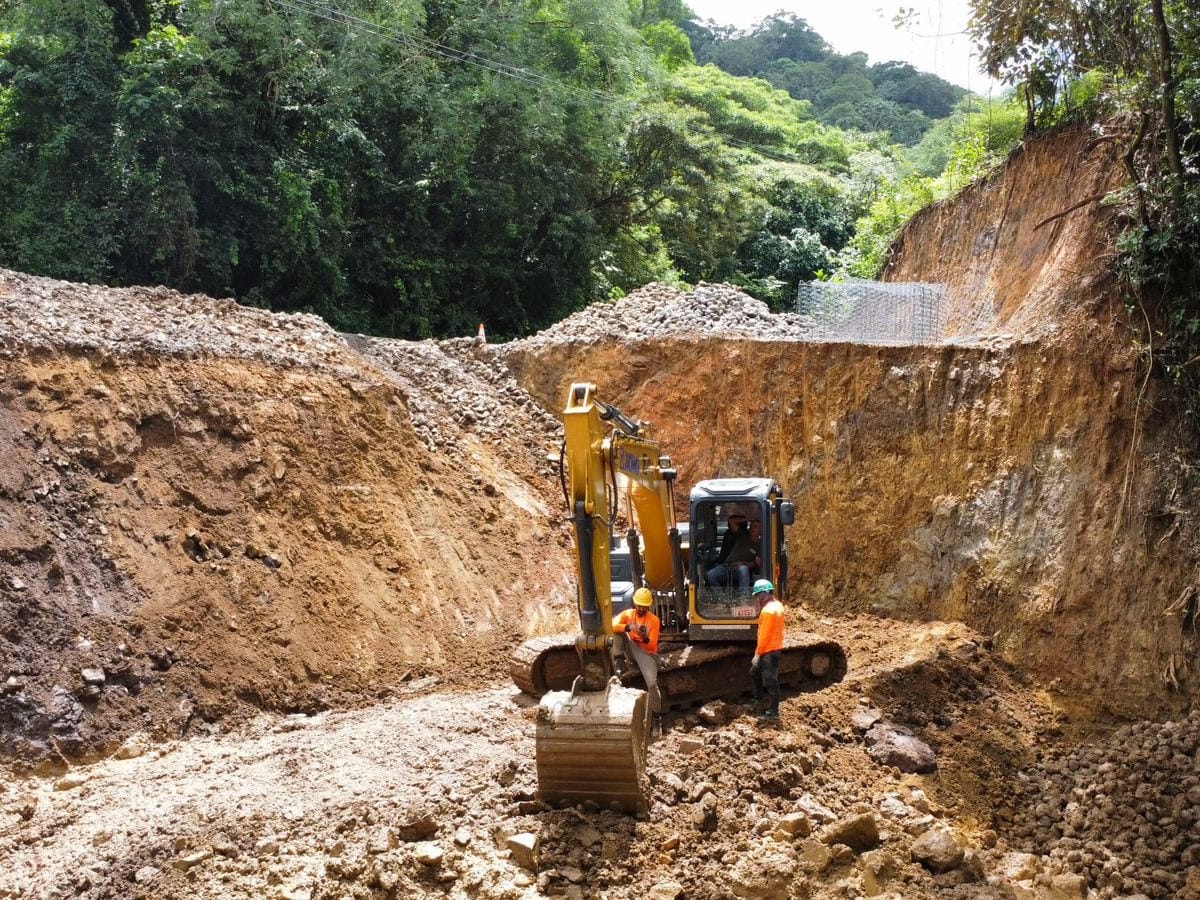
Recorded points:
(1024, 483)
(207, 510)
(998, 487)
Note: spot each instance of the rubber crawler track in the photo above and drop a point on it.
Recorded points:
(689, 675)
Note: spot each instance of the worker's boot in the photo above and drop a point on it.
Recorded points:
(759, 704)
(771, 711)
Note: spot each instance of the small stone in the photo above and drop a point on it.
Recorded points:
(145, 874)
(893, 745)
(690, 745)
(93, 675)
(524, 848)
(665, 890)
(190, 860)
(381, 840)
(70, 781)
(674, 785)
(587, 834)
(133, 746)
(937, 850)
(864, 719)
(715, 713)
(858, 832)
(918, 801)
(462, 837)
(1068, 887)
(428, 853)
(791, 826)
(421, 828)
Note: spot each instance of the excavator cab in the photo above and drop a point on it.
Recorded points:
(720, 607)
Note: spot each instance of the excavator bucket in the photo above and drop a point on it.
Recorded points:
(591, 746)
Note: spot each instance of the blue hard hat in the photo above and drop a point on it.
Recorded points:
(762, 586)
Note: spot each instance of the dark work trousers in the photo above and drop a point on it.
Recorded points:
(765, 678)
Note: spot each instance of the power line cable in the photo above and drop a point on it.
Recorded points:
(420, 44)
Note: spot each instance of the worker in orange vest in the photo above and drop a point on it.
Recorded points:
(640, 628)
(764, 670)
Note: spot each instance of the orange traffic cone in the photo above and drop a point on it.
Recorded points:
(481, 337)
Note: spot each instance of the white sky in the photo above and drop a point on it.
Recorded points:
(933, 41)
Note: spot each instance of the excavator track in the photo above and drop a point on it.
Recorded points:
(544, 664)
(692, 674)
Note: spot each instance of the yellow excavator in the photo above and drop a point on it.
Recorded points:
(593, 722)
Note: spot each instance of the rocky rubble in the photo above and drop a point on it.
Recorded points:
(661, 311)
(1124, 811)
(457, 386)
(43, 314)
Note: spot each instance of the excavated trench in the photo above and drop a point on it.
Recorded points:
(234, 543)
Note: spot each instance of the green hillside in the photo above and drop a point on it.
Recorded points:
(414, 168)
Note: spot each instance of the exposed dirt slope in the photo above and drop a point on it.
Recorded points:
(1026, 484)
(1032, 241)
(228, 510)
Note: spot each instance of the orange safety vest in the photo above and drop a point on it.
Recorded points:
(770, 628)
(623, 620)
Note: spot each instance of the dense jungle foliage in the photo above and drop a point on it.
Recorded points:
(412, 169)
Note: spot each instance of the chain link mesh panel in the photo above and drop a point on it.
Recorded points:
(897, 313)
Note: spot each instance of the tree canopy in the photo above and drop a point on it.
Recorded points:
(844, 90)
(413, 169)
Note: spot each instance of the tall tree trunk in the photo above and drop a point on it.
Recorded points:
(1167, 94)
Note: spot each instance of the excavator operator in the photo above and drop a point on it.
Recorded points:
(640, 628)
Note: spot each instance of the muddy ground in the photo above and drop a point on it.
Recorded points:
(423, 796)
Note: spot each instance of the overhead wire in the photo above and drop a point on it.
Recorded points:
(407, 39)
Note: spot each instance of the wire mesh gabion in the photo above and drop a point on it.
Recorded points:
(896, 313)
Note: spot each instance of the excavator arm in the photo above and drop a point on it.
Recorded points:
(591, 740)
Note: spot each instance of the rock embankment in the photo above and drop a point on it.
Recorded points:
(661, 311)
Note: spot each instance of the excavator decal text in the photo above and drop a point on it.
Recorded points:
(630, 462)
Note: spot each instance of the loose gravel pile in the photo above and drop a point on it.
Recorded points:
(454, 387)
(660, 311)
(42, 313)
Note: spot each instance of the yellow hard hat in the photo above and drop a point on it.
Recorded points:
(643, 597)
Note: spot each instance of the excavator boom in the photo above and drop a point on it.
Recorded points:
(592, 735)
